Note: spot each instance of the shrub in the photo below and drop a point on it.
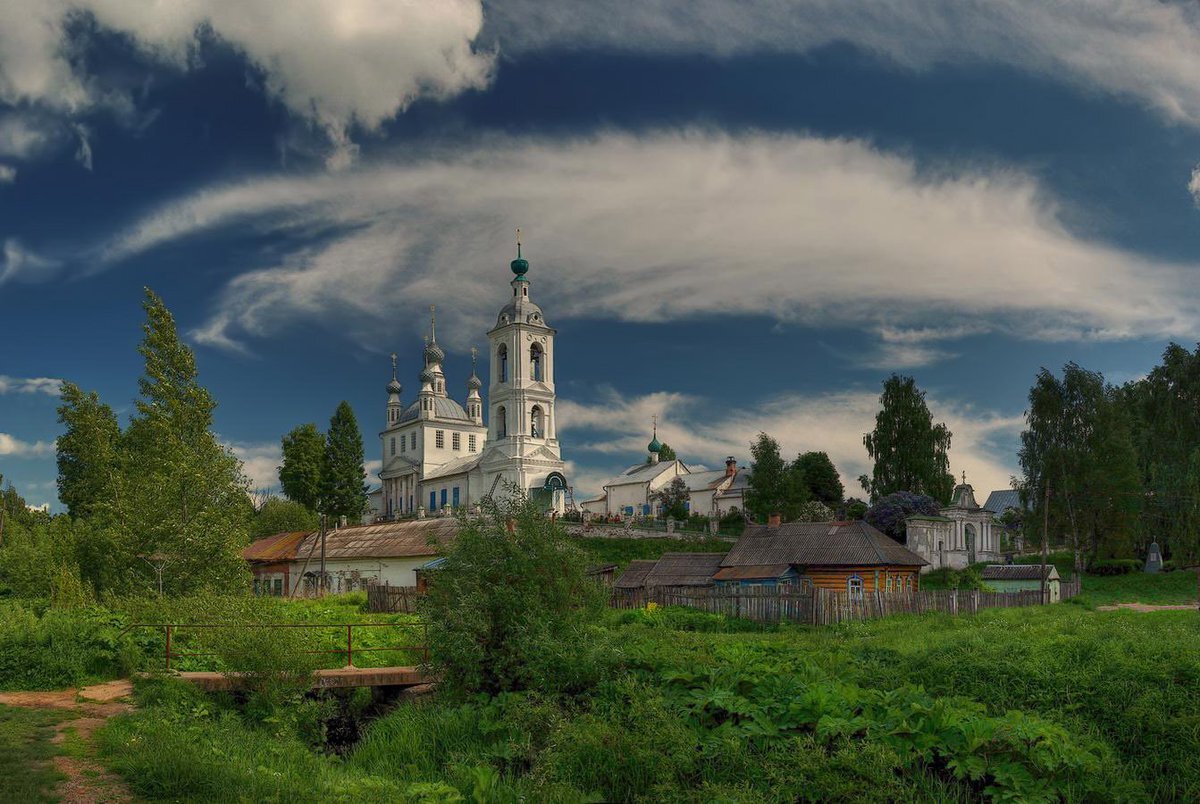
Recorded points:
(1115, 566)
(61, 648)
(890, 513)
(509, 603)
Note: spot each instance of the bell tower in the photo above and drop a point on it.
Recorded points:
(522, 446)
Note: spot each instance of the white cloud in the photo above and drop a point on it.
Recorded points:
(22, 135)
(20, 264)
(335, 62)
(30, 385)
(833, 423)
(260, 463)
(672, 226)
(1143, 49)
(8, 174)
(16, 448)
(1194, 185)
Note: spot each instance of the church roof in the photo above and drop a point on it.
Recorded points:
(703, 481)
(640, 473)
(443, 408)
(455, 467)
(1001, 500)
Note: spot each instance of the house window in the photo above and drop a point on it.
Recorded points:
(439, 439)
(454, 497)
(889, 583)
(432, 500)
(393, 445)
(536, 421)
(471, 443)
(456, 441)
(501, 422)
(502, 360)
(535, 362)
(279, 587)
(443, 498)
(854, 585)
(403, 442)
(413, 443)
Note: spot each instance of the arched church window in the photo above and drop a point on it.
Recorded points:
(535, 362)
(501, 422)
(536, 422)
(502, 359)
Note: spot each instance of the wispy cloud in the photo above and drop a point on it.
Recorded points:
(18, 263)
(8, 174)
(1194, 185)
(260, 463)
(617, 424)
(677, 225)
(30, 385)
(16, 448)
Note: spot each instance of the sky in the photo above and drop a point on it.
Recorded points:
(740, 216)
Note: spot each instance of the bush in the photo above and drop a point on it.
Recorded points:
(508, 604)
(1115, 566)
(890, 513)
(61, 648)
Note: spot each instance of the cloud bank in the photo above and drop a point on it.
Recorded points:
(673, 226)
(11, 447)
(618, 426)
(30, 385)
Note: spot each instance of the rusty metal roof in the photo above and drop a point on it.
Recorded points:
(634, 576)
(280, 547)
(684, 569)
(819, 544)
(410, 538)
(751, 571)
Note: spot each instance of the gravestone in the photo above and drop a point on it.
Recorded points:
(1153, 558)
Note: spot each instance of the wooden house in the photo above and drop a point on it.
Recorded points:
(1020, 577)
(671, 569)
(842, 556)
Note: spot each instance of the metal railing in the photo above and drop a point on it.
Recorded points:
(172, 629)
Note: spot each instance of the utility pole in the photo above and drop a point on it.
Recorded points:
(1045, 536)
(321, 585)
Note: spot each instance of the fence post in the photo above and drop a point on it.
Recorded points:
(349, 645)
(167, 653)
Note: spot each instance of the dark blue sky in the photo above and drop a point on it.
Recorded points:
(1096, 180)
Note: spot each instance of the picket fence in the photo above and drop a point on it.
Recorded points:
(816, 606)
(384, 599)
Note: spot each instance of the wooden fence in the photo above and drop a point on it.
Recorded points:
(384, 599)
(816, 606)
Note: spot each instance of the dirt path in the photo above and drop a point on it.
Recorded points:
(1147, 607)
(85, 782)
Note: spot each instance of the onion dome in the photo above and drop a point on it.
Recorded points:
(434, 353)
(474, 383)
(394, 387)
(654, 446)
(426, 376)
(519, 266)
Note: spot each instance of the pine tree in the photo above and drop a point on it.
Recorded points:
(184, 503)
(909, 451)
(343, 492)
(300, 473)
(88, 453)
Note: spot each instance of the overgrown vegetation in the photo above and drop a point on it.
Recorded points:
(26, 771)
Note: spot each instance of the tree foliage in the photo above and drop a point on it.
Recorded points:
(889, 514)
(665, 453)
(673, 498)
(508, 608)
(773, 486)
(909, 451)
(87, 452)
(303, 450)
(281, 516)
(343, 492)
(816, 472)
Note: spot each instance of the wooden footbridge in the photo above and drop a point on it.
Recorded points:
(414, 644)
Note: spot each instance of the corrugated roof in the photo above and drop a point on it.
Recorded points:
(703, 481)
(454, 467)
(634, 576)
(1001, 500)
(280, 547)
(684, 569)
(1019, 572)
(825, 544)
(408, 538)
(751, 571)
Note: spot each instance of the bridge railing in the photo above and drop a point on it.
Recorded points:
(171, 630)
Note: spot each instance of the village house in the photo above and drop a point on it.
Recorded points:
(670, 569)
(355, 557)
(849, 557)
(1023, 577)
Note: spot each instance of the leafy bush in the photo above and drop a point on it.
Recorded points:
(61, 648)
(510, 604)
(889, 513)
(1115, 566)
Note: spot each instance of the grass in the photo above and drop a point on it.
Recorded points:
(622, 551)
(26, 772)
(1165, 588)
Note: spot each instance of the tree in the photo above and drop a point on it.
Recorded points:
(665, 453)
(855, 508)
(909, 451)
(281, 516)
(772, 485)
(88, 452)
(673, 498)
(300, 474)
(820, 477)
(183, 498)
(510, 605)
(890, 513)
(343, 492)
(814, 511)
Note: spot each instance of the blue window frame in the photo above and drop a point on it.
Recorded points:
(454, 497)
(443, 498)
(432, 500)
(646, 509)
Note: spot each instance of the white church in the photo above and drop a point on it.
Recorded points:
(439, 455)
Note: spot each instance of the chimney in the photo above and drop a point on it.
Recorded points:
(773, 521)
(730, 467)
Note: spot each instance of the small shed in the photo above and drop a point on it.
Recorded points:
(1021, 577)
(603, 574)
(634, 576)
(684, 569)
